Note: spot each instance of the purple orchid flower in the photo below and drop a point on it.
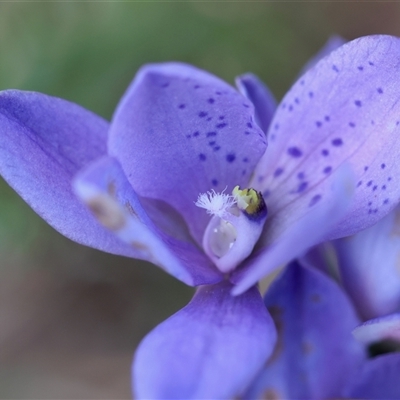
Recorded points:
(184, 145)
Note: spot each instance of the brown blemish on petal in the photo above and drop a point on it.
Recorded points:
(271, 394)
(315, 298)
(276, 314)
(139, 246)
(107, 211)
(307, 347)
(130, 209)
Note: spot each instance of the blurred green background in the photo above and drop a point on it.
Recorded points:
(71, 317)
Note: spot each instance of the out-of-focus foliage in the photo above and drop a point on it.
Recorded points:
(71, 317)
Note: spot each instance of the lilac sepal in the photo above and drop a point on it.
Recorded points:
(106, 191)
(377, 329)
(211, 349)
(262, 98)
(333, 43)
(286, 238)
(344, 110)
(178, 132)
(44, 142)
(368, 263)
(379, 379)
(316, 354)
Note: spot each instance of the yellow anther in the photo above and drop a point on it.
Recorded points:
(248, 200)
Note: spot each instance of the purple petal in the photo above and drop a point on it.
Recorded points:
(344, 110)
(179, 132)
(315, 354)
(262, 98)
(368, 263)
(165, 242)
(44, 142)
(379, 379)
(375, 330)
(333, 43)
(288, 235)
(211, 349)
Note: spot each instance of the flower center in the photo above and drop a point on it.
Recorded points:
(235, 227)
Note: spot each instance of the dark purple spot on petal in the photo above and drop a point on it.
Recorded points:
(249, 125)
(337, 142)
(383, 187)
(325, 152)
(380, 91)
(211, 134)
(202, 157)
(297, 101)
(366, 168)
(359, 183)
(246, 132)
(230, 157)
(211, 100)
(352, 124)
(212, 143)
(389, 179)
(370, 63)
(246, 105)
(214, 182)
(302, 82)
(221, 125)
(310, 95)
(202, 114)
(374, 188)
(302, 187)
(278, 172)
(209, 118)
(164, 85)
(327, 170)
(216, 148)
(196, 86)
(243, 172)
(300, 175)
(314, 200)
(290, 108)
(335, 68)
(245, 159)
(358, 103)
(318, 123)
(294, 152)
(360, 68)
(369, 183)
(383, 166)
(197, 133)
(221, 117)
(276, 126)
(327, 118)
(188, 136)
(386, 201)
(370, 203)
(182, 106)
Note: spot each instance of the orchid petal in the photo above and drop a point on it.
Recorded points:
(179, 132)
(44, 142)
(368, 263)
(262, 98)
(379, 379)
(344, 110)
(378, 329)
(315, 353)
(211, 349)
(285, 239)
(105, 189)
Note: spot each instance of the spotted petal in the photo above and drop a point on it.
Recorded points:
(368, 263)
(345, 110)
(211, 349)
(179, 132)
(44, 142)
(315, 354)
(165, 242)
